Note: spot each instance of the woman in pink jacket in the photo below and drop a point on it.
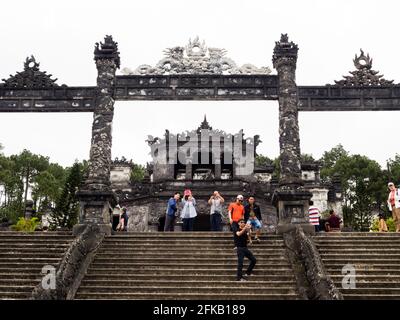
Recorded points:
(394, 204)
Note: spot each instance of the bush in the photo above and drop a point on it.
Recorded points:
(389, 222)
(26, 225)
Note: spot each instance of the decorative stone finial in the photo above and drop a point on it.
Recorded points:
(107, 50)
(31, 77)
(204, 125)
(363, 75)
(284, 49)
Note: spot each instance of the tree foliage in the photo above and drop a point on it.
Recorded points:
(66, 212)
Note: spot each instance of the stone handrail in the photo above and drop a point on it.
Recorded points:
(73, 266)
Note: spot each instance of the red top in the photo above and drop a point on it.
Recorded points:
(237, 211)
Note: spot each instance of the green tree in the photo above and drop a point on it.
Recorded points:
(362, 181)
(306, 158)
(262, 160)
(28, 166)
(66, 211)
(393, 170)
(137, 173)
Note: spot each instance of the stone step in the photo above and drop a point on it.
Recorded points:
(381, 290)
(375, 266)
(188, 265)
(188, 271)
(32, 242)
(179, 260)
(377, 277)
(180, 289)
(340, 255)
(27, 255)
(371, 284)
(356, 234)
(186, 283)
(24, 259)
(20, 275)
(183, 246)
(192, 234)
(365, 271)
(11, 266)
(115, 276)
(373, 296)
(28, 236)
(182, 252)
(339, 247)
(187, 296)
(19, 282)
(357, 241)
(363, 260)
(358, 250)
(12, 295)
(10, 232)
(192, 244)
(17, 288)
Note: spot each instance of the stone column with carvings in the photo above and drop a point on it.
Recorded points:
(291, 199)
(96, 194)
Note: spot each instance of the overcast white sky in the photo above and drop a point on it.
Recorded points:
(61, 35)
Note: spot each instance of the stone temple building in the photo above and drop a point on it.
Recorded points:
(204, 160)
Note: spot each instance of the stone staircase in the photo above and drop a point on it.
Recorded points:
(22, 257)
(375, 256)
(183, 265)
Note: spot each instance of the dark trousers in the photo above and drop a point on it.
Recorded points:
(216, 221)
(234, 226)
(115, 222)
(241, 253)
(169, 223)
(316, 227)
(187, 224)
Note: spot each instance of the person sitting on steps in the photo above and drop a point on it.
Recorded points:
(252, 215)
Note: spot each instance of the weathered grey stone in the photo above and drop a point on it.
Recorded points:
(73, 265)
(312, 280)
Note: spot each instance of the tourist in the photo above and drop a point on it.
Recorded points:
(216, 202)
(235, 213)
(171, 211)
(333, 223)
(240, 238)
(123, 222)
(394, 204)
(382, 223)
(188, 212)
(252, 215)
(314, 215)
(116, 214)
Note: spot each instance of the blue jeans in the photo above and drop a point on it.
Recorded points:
(216, 220)
(187, 224)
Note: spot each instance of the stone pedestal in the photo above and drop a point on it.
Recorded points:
(28, 209)
(292, 207)
(94, 209)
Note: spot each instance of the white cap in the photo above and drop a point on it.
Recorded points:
(240, 197)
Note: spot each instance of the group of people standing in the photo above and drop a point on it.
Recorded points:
(334, 221)
(242, 219)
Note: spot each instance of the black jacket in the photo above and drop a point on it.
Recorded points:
(256, 210)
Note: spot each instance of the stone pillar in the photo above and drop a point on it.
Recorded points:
(96, 194)
(189, 169)
(290, 199)
(217, 169)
